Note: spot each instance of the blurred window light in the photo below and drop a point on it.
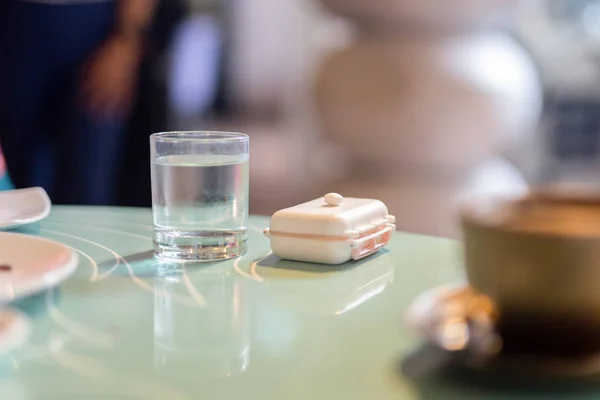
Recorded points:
(591, 20)
(194, 64)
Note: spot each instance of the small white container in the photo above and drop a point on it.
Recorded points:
(330, 229)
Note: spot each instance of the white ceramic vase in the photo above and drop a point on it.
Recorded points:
(436, 14)
(448, 102)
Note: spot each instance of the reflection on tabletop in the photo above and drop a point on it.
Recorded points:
(319, 289)
(207, 336)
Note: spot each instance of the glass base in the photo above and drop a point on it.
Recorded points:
(202, 245)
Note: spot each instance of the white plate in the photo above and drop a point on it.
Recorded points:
(30, 264)
(23, 206)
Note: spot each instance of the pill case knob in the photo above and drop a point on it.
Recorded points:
(333, 199)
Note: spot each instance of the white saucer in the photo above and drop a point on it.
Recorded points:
(462, 323)
(23, 206)
(30, 264)
(454, 318)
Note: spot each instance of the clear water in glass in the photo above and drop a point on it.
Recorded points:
(200, 205)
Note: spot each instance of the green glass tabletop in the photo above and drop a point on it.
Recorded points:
(127, 326)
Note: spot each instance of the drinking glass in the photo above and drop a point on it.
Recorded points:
(199, 194)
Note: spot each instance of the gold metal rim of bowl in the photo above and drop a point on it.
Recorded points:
(474, 216)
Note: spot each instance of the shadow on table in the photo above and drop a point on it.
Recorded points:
(272, 261)
(146, 265)
(437, 376)
(142, 264)
(36, 304)
(29, 229)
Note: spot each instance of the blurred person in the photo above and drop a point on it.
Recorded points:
(149, 111)
(67, 78)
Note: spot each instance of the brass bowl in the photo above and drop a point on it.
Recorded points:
(537, 257)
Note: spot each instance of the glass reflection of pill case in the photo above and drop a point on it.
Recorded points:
(330, 230)
(327, 290)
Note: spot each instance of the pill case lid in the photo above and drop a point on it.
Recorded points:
(331, 216)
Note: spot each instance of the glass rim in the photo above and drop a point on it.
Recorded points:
(199, 136)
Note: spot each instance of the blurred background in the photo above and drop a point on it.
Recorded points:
(411, 102)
